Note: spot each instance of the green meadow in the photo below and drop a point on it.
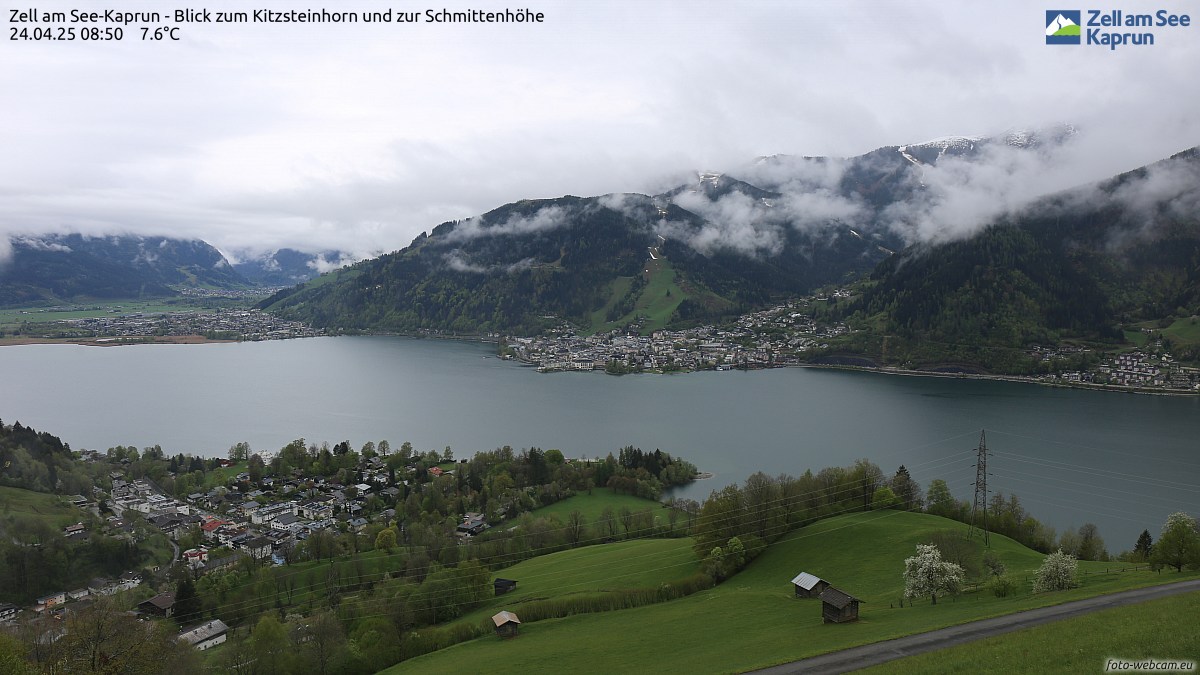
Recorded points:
(754, 620)
(1149, 630)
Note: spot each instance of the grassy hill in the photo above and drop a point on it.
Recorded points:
(754, 620)
(51, 509)
(593, 505)
(593, 570)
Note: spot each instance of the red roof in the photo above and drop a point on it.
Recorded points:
(437, 471)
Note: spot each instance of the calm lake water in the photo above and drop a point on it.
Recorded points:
(1121, 461)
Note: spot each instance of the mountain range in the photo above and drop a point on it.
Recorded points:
(51, 269)
(711, 248)
(1087, 264)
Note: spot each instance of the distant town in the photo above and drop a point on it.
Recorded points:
(786, 335)
(219, 324)
(767, 339)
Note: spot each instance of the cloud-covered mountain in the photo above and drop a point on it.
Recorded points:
(720, 244)
(1082, 264)
(69, 268)
(287, 267)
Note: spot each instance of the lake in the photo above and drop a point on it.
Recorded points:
(1122, 461)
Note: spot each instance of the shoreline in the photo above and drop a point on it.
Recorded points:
(116, 341)
(1024, 379)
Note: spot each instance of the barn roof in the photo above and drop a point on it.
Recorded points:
(163, 601)
(505, 617)
(806, 581)
(837, 598)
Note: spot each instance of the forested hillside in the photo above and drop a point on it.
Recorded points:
(1078, 265)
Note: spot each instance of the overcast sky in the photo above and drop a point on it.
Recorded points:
(362, 136)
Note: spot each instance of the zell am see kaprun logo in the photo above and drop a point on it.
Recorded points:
(1102, 28)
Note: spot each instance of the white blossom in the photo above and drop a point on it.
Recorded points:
(927, 574)
(1057, 572)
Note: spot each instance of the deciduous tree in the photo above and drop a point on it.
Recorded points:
(1057, 572)
(927, 574)
(1179, 543)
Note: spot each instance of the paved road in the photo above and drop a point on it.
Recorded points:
(882, 652)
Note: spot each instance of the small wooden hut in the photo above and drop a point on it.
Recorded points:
(507, 624)
(809, 586)
(838, 607)
(503, 586)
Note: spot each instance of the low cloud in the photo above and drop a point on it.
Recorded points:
(632, 206)
(1169, 188)
(959, 196)
(321, 264)
(757, 227)
(38, 244)
(457, 261)
(546, 218)
(5, 251)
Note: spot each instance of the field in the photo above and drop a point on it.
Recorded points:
(1184, 331)
(10, 318)
(1151, 629)
(1137, 338)
(593, 505)
(754, 620)
(593, 570)
(52, 509)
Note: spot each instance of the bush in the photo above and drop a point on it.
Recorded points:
(1003, 587)
(1057, 572)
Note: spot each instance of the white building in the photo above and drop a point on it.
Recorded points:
(208, 634)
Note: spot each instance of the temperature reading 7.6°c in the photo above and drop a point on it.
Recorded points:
(160, 33)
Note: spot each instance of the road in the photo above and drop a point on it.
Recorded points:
(882, 652)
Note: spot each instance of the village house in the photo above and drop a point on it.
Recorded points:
(259, 548)
(287, 522)
(8, 612)
(207, 634)
(472, 524)
(195, 557)
(50, 600)
(162, 605)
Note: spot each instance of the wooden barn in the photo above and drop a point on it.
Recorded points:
(507, 624)
(838, 607)
(809, 586)
(503, 586)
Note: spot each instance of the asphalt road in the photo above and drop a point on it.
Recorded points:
(882, 652)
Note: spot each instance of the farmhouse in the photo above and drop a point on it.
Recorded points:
(838, 607)
(162, 605)
(809, 586)
(507, 624)
(504, 585)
